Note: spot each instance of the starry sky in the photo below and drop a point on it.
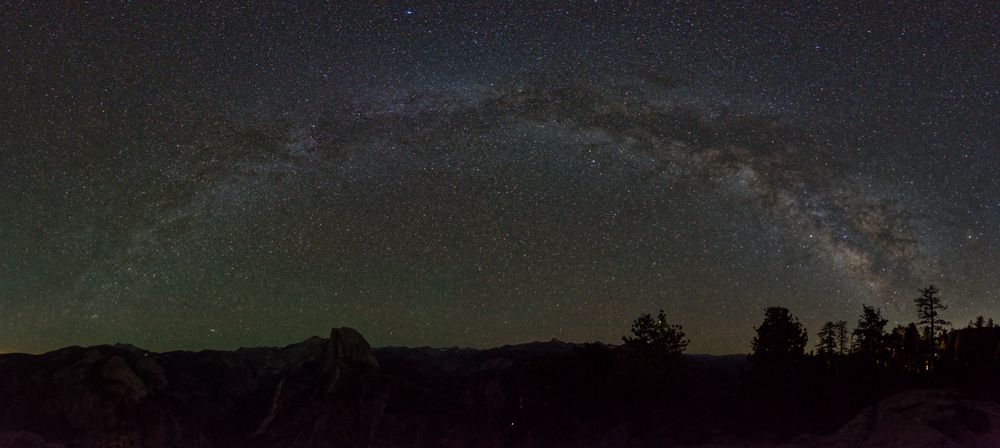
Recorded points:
(220, 175)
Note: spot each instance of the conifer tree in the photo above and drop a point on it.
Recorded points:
(929, 307)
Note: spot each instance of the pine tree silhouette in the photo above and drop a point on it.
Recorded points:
(655, 334)
(869, 336)
(827, 345)
(780, 340)
(929, 306)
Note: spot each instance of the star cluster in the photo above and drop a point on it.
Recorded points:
(214, 176)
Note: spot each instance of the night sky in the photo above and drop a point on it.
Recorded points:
(216, 176)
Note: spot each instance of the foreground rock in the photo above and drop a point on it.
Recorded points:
(920, 418)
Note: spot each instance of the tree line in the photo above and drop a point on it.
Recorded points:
(781, 339)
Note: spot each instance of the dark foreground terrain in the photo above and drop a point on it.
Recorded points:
(339, 392)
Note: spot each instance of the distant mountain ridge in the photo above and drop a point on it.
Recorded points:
(340, 392)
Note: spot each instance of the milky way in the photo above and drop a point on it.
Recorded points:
(477, 175)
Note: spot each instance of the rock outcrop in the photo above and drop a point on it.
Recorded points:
(916, 419)
(346, 347)
(123, 396)
(121, 381)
